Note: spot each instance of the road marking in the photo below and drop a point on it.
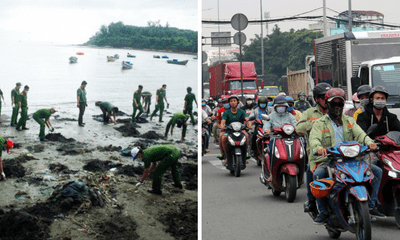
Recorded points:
(217, 164)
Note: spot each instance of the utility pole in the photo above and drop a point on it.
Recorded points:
(325, 27)
(350, 18)
(219, 48)
(262, 41)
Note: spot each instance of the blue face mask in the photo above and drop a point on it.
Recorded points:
(203, 104)
(227, 106)
(290, 108)
(263, 105)
(270, 104)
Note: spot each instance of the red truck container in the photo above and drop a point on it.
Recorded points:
(224, 79)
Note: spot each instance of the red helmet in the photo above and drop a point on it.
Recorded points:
(224, 98)
(210, 99)
(322, 187)
(355, 98)
(335, 93)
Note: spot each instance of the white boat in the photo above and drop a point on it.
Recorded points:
(116, 56)
(127, 64)
(73, 59)
(110, 58)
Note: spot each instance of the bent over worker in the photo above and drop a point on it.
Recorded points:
(39, 115)
(4, 145)
(180, 120)
(108, 110)
(167, 156)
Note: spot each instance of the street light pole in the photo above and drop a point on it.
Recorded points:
(219, 48)
(350, 18)
(262, 41)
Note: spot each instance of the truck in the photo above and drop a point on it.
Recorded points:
(351, 59)
(225, 79)
(301, 80)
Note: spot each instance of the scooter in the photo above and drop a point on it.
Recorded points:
(236, 148)
(262, 139)
(389, 189)
(346, 199)
(286, 163)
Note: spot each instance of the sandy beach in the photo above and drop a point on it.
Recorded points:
(31, 206)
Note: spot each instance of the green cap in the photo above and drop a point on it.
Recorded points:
(140, 86)
(19, 84)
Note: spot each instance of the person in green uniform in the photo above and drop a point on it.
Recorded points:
(137, 105)
(108, 110)
(4, 145)
(188, 108)
(168, 157)
(23, 104)
(45, 114)
(1, 97)
(160, 96)
(81, 102)
(180, 120)
(146, 98)
(14, 101)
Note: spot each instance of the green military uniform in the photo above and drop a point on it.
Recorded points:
(23, 98)
(168, 156)
(177, 117)
(2, 142)
(137, 96)
(39, 115)
(322, 136)
(147, 100)
(82, 104)
(1, 96)
(14, 94)
(107, 107)
(160, 104)
(189, 98)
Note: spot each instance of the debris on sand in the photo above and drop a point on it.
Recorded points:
(117, 227)
(124, 120)
(58, 167)
(97, 165)
(141, 120)
(13, 168)
(128, 130)
(130, 170)
(35, 148)
(189, 175)
(189, 153)
(57, 117)
(57, 137)
(109, 148)
(151, 135)
(182, 220)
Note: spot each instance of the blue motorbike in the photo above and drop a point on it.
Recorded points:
(346, 192)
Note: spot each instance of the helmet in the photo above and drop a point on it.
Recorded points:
(249, 97)
(9, 144)
(322, 187)
(355, 98)
(301, 94)
(289, 99)
(233, 96)
(203, 100)
(282, 94)
(224, 98)
(321, 89)
(262, 99)
(378, 89)
(335, 93)
(363, 89)
(220, 100)
(210, 99)
(189, 89)
(280, 101)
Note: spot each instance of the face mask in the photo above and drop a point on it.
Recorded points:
(302, 98)
(364, 102)
(263, 105)
(203, 104)
(270, 104)
(249, 102)
(227, 106)
(379, 104)
(357, 105)
(280, 109)
(335, 109)
(290, 108)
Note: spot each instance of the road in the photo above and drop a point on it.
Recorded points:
(243, 208)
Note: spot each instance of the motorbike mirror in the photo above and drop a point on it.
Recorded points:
(265, 117)
(252, 118)
(372, 128)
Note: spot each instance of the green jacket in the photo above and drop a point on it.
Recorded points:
(322, 136)
(157, 153)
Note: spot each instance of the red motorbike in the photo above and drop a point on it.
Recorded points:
(262, 139)
(285, 164)
(389, 189)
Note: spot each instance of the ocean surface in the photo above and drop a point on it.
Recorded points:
(53, 81)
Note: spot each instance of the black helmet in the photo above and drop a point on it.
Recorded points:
(262, 99)
(321, 89)
(189, 89)
(233, 96)
(362, 90)
(301, 94)
(377, 89)
(280, 101)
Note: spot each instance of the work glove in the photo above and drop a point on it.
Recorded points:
(51, 129)
(3, 175)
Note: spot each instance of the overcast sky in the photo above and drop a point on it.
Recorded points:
(75, 21)
(286, 8)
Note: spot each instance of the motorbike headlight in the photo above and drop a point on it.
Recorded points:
(368, 172)
(260, 133)
(343, 175)
(350, 151)
(243, 141)
(231, 141)
(288, 129)
(236, 126)
(276, 152)
(394, 174)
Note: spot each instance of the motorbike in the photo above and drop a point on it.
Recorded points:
(262, 139)
(389, 189)
(285, 164)
(347, 198)
(204, 135)
(236, 148)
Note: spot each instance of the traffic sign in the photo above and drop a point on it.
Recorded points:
(239, 21)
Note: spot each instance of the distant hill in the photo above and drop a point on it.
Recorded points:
(153, 36)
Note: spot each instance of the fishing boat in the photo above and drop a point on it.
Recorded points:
(79, 53)
(176, 61)
(195, 58)
(116, 56)
(165, 56)
(126, 65)
(73, 59)
(130, 55)
(110, 58)
(156, 56)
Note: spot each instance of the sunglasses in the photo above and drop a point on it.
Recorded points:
(337, 104)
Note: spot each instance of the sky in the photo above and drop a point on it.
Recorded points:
(75, 21)
(285, 8)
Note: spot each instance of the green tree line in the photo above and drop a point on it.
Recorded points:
(154, 36)
(281, 50)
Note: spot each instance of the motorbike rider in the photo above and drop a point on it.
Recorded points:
(225, 106)
(330, 130)
(233, 114)
(205, 107)
(256, 113)
(211, 103)
(363, 96)
(301, 105)
(249, 106)
(270, 105)
(377, 112)
(356, 103)
(205, 118)
(291, 108)
(214, 116)
(304, 127)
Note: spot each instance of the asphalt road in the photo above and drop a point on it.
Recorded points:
(243, 208)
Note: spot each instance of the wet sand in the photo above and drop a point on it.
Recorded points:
(35, 170)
